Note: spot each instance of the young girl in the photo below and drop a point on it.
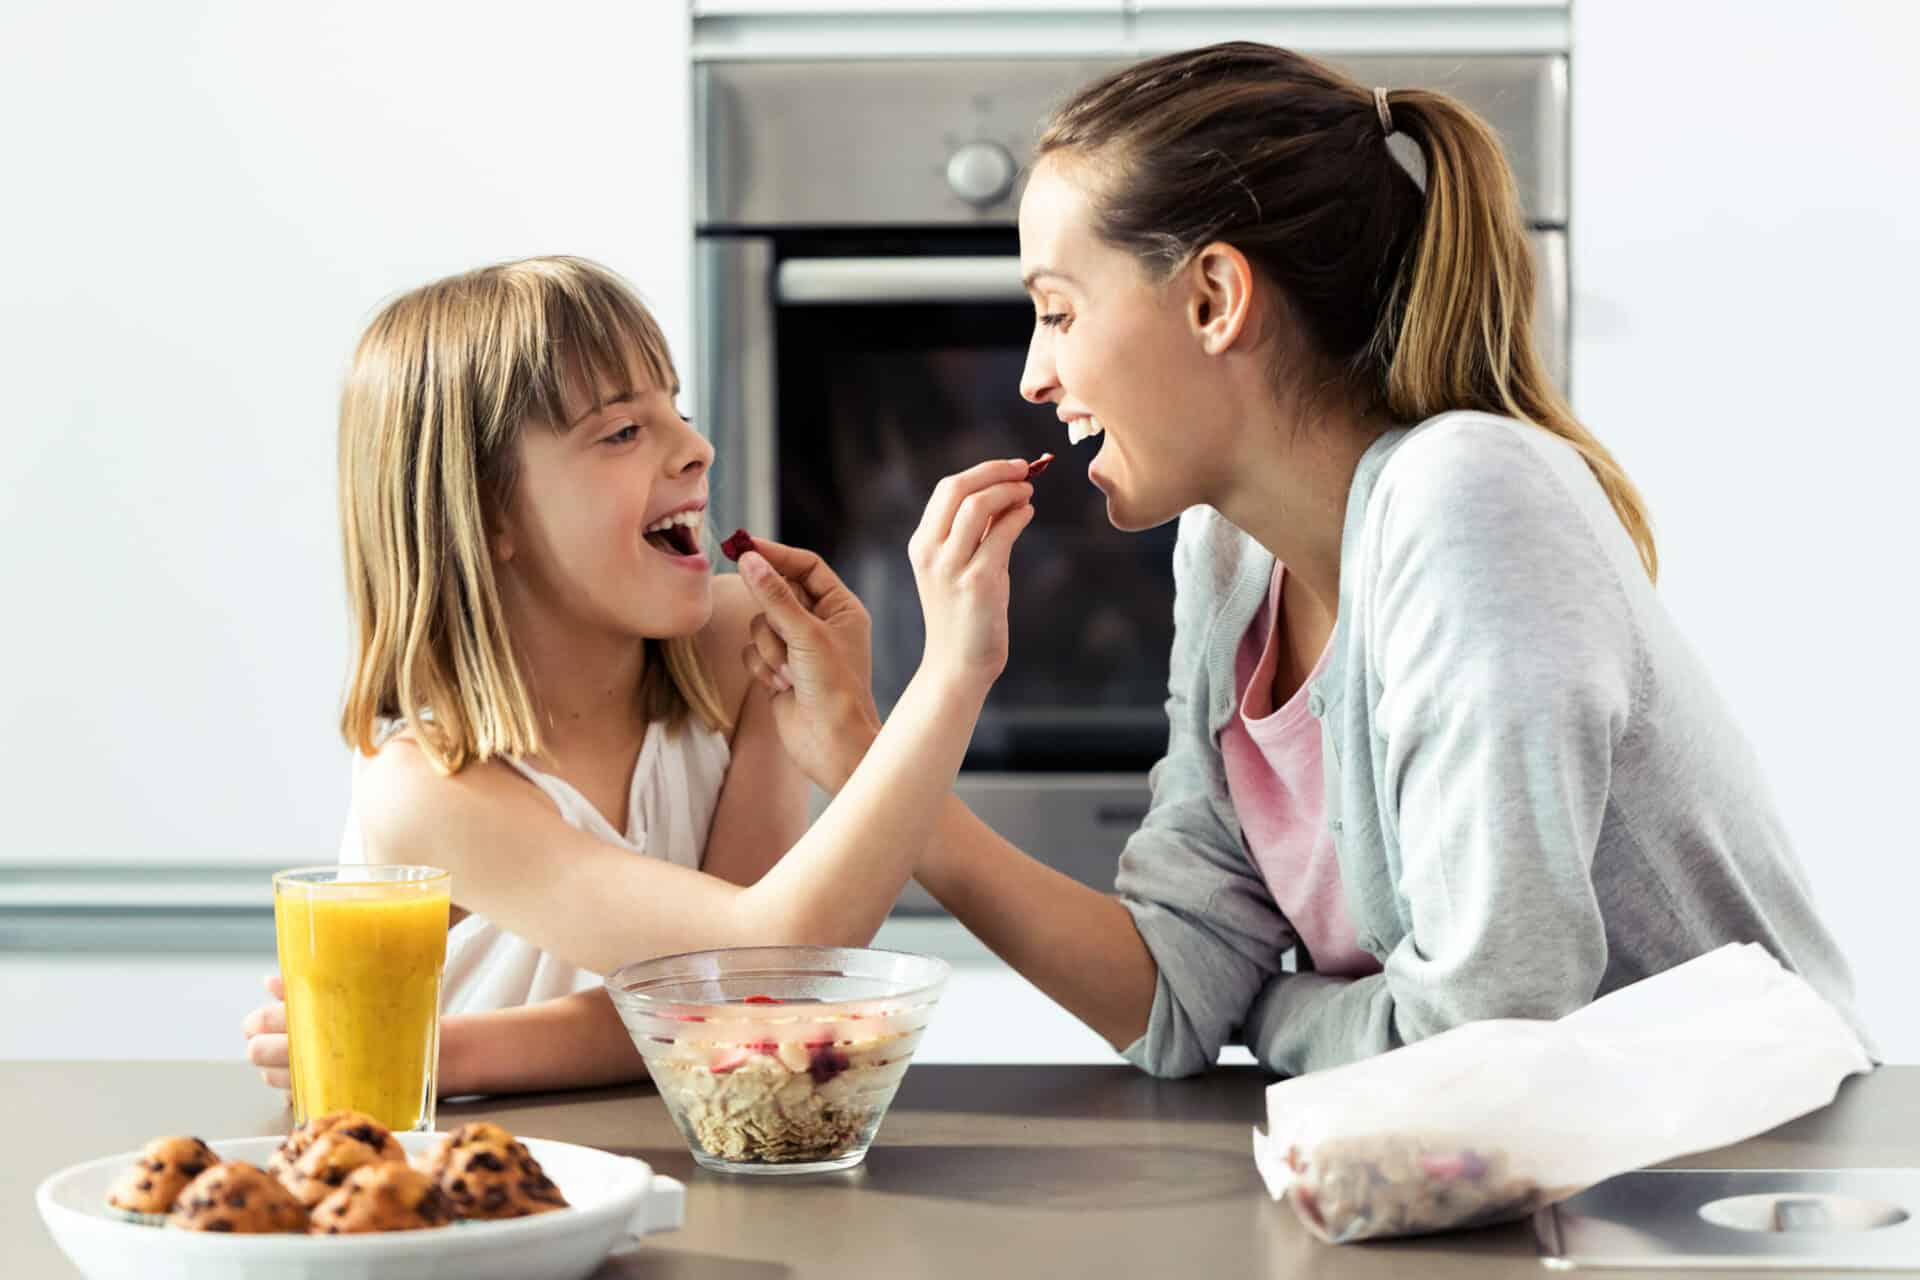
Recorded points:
(1431, 727)
(548, 696)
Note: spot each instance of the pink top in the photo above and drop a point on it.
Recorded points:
(1272, 759)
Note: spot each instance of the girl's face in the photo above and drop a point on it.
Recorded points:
(1111, 347)
(604, 524)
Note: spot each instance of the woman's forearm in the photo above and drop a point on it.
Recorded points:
(1073, 942)
(574, 1042)
(844, 875)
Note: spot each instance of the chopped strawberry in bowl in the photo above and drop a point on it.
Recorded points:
(778, 1059)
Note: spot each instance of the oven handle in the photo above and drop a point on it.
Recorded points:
(806, 282)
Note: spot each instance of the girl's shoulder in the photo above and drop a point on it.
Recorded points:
(727, 633)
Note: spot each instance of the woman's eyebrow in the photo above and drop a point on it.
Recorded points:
(1028, 280)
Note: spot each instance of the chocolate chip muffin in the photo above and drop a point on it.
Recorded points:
(326, 1164)
(477, 1134)
(383, 1197)
(491, 1180)
(238, 1197)
(354, 1124)
(146, 1192)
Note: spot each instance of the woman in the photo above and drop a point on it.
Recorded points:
(1430, 722)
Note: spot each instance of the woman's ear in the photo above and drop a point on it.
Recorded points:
(1222, 299)
(500, 541)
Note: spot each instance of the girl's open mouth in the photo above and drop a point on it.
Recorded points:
(676, 535)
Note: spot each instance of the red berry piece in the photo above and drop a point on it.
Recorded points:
(762, 1000)
(738, 543)
(1038, 465)
(826, 1063)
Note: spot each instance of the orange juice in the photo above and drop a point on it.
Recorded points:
(361, 953)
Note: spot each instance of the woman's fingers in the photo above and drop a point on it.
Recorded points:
(772, 649)
(814, 580)
(276, 987)
(769, 677)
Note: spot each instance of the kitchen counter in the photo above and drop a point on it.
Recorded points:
(978, 1171)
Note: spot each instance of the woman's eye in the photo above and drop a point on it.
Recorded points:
(1054, 319)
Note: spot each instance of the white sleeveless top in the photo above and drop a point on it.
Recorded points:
(670, 804)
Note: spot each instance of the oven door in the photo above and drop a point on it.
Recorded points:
(840, 378)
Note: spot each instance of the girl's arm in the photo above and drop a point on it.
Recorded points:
(599, 907)
(574, 1042)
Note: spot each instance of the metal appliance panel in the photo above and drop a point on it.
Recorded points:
(851, 144)
(1739, 1219)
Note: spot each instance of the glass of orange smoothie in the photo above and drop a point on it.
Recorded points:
(361, 952)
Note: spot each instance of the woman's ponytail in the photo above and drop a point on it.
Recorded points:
(1460, 324)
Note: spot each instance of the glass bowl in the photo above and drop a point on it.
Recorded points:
(778, 1059)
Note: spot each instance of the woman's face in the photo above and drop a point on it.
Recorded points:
(1112, 347)
(583, 533)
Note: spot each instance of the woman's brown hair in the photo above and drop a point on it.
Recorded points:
(1422, 301)
(443, 382)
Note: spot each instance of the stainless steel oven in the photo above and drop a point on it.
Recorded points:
(861, 330)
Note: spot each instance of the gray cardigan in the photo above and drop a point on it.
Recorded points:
(1534, 792)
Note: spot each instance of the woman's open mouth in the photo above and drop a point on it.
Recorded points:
(677, 535)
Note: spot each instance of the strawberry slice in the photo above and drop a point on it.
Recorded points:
(729, 1060)
(762, 1000)
(1038, 465)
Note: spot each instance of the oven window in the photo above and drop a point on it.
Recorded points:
(877, 403)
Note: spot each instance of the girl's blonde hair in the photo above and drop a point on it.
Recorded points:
(442, 383)
(1423, 302)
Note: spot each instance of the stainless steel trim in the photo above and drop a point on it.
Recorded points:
(817, 281)
(1076, 823)
(734, 398)
(1552, 305)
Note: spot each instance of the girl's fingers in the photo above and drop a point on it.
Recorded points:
(977, 514)
(997, 547)
(267, 1051)
(936, 522)
(268, 1019)
(275, 987)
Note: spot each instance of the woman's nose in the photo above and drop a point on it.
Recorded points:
(1037, 381)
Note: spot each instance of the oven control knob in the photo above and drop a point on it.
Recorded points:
(981, 173)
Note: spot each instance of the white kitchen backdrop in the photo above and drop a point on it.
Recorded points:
(206, 200)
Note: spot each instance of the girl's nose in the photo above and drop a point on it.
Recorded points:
(1037, 381)
(692, 452)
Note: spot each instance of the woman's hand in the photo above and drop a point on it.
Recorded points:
(959, 555)
(812, 648)
(266, 1032)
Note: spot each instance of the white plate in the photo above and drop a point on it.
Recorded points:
(614, 1199)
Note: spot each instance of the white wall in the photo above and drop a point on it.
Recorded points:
(205, 203)
(1746, 259)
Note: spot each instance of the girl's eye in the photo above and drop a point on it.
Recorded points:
(624, 435)
(1054, 319)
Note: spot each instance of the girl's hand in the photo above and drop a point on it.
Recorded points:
(959, 556)
(812, 649)
(266, 1032)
